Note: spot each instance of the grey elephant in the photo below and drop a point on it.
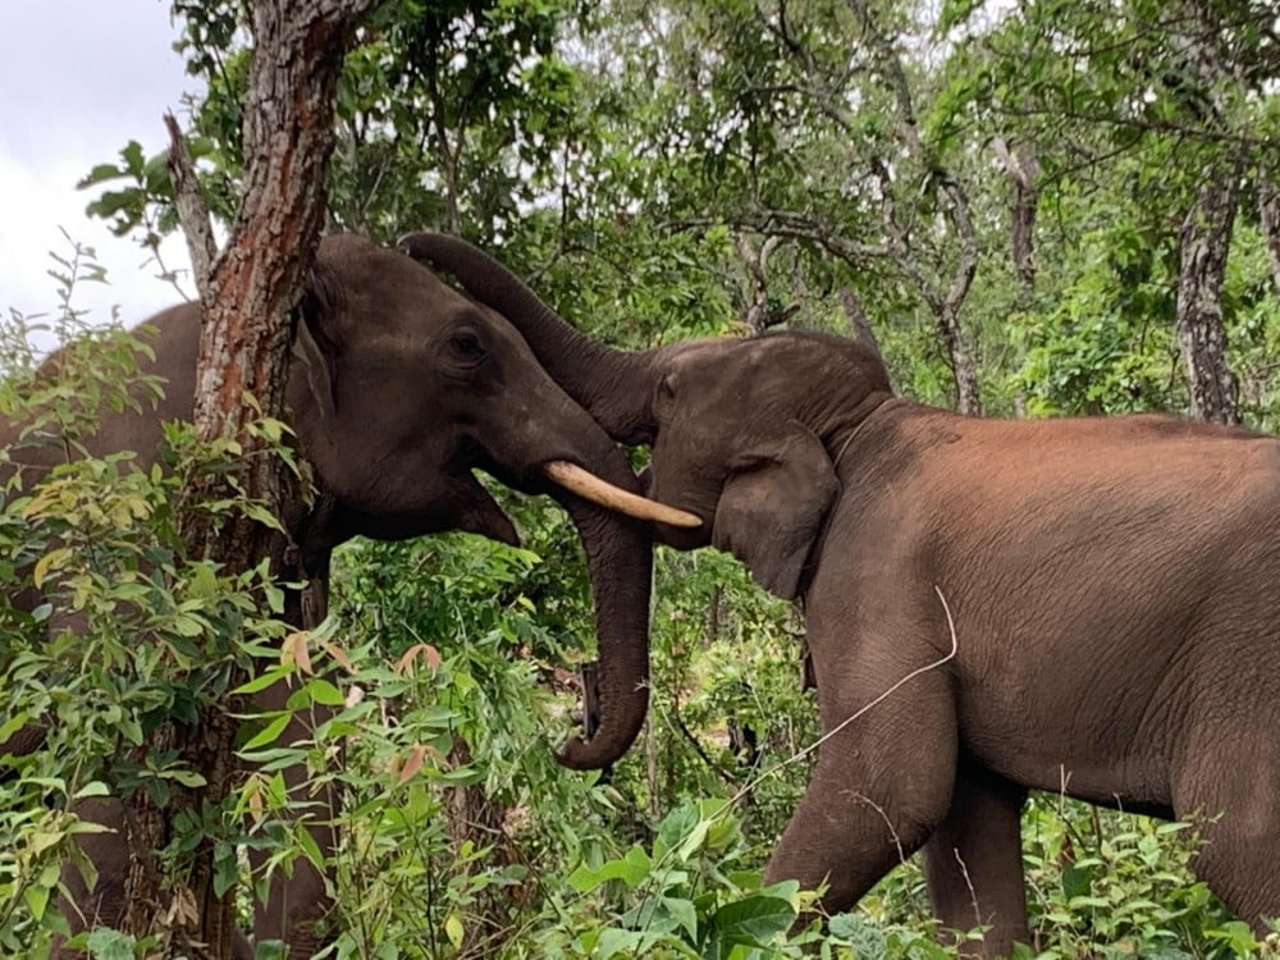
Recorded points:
(398, 387)
(1076, 605)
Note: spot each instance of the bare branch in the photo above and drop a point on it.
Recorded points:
(193, 212)
(789, 225)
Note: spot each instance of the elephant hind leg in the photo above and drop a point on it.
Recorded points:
(973, 863)
(1234, 799)
(881, 786)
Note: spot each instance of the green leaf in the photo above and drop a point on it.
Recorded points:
(684, 913)
(37, 898)
(323, 692)
(752, 922)
(13, 725)
(453, 930)
(107, 944)
(270, 732)
(226, 868)
(188, 778)
(632, 869)
(1076, 881)
(264, 680)
(94, 788)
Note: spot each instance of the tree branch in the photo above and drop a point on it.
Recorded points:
(193, 212)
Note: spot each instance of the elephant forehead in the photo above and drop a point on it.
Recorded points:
(362, 267)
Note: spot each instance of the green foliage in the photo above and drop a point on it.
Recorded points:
(614, 153)
(126, 633)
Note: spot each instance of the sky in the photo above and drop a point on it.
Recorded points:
(78, 80)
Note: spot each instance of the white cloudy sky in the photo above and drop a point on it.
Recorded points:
(78, 80)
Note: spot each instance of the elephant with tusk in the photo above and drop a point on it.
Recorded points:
(399, 387)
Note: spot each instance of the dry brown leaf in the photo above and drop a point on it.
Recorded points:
(294, 650)
(411, 766)
(335, 651)
(428, 653)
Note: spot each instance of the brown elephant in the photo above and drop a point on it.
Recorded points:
(398, 386)
(1113, 585)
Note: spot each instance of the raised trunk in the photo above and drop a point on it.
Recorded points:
(612, 385)
(1204, 241)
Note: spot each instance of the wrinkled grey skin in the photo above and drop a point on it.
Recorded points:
(398, 386)
(1113, 583)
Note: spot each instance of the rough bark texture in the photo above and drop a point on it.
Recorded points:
(193, 214)
(1269, 221)
(1205, 237)
(1204, 241)
(1022, 168)
(758, 313)
(251, 287)
(477, 819)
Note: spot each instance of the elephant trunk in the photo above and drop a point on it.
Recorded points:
(614, 386)
(619, 554)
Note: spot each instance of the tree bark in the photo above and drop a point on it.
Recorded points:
(251, 288)
(859, 326)
(1022, 168)
(1269, 222)
(1204, 241)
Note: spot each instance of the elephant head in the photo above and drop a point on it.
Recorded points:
(739, 439)
(401, 385)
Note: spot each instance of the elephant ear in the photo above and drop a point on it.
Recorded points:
(773, 506)
(318, 353)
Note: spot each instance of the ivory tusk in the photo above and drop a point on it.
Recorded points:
(590, 487)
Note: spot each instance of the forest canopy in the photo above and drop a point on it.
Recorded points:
(1035, 209)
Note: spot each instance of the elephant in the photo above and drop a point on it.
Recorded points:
(398, 386)
(1079, 605)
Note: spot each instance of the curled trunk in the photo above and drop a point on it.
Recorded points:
(619, 559)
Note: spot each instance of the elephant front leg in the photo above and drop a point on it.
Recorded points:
(881, 786)
(973, 862)
(298, 908)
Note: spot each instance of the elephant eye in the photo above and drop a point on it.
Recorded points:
(466, 347)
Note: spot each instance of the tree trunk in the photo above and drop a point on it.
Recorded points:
(1269, 222)
(1022, 168)
(968, 400)
(1204, 241)
(251, 287)
(859, 326)
(955, 205)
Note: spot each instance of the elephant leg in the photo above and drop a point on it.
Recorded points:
(881, 786)
(104, 905)
(1233, 796)
(297, 907)
(973, 862)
